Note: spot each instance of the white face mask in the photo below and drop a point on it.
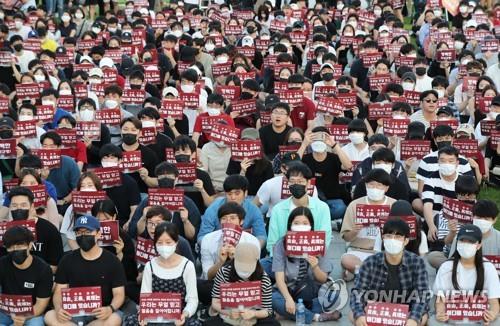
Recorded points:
(459, 45)
(187, 88)
(39, 78)
(65, 18)
(300, 228)
(438, 13)
(222, 59)
(377, 12)
(78, 15)
(185, 29)
(86, 115)
(447, 169)
(375, 194)
(209, 47)
(177, 33)
(25, 117)
(213, 112)
(112, 29)
(111, 104)
(96, 30)
(18, 24)
(89, 189)
(340, 5)
(463, 9)
(466, 250)
(48, 102)
(493, 115)
(354, 24)
(318, 146)
(483, 225)
(356, 138)
(386, 167)
(166, 251)
(148, 124)
(440, 93)
(109, 164)
(408, 86)
(65, 92)
(393, 246)
(244, 275)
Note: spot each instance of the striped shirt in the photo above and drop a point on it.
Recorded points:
(435, 188)
(223, 276)
(430, 164)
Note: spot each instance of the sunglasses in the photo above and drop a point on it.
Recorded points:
(428, 100)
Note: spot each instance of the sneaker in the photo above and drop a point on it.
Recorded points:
(330, 316)
(336, 225)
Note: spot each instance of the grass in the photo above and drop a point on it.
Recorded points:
(494, 195)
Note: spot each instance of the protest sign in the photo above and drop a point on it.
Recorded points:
(172, 199)
(457, 210)
(81, 301)
(109, 176)
(368, 215)
(311, 243)
(84, 200)
(160, 307)
(109, 233)
(383, 314)
(236, 295)
(145, 250)
(231, 234)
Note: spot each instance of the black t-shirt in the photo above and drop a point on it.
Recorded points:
(66, 30)
(125, 196)
(149, 161)
(105, 271)
(93, 157)
(48, 244)
(271, 140)
(257, 173)
(392, 282)
(195, 195)
(359, 72)
(36, 280)
(182, 127)
(128, 260)
(326, 174)
(162, 142)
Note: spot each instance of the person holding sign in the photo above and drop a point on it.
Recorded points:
(245, 267)
(48, 244)
(21, 273)
(361, 236)
(468, 273)
(149, 117)
(89, 266)
(392, 276)
(293, 273)
(170, 272)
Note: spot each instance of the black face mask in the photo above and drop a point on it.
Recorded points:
(343, 90)
(133, 86)
(441, 144)
(41, 31)
(129, 139)
(250, 29)
(327, 77)
(420, 71)
(470, 202)
(182, 158)
(6, 134)
(285, 80)
(475, 74)
(147, 59)
(298, 191)
(19, 256)
(18, 47)
(246, 96)
(20, 214)
(166, 183)
(85, 241)
(294, 143)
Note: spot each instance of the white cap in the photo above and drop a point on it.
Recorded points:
(294, 6)
(85, 58)
(170, 90)
(471, 23)
(106, 62)
(326, 65)
(383, 28)
(247, 41)
(359, 32)
(144, 11)
(197, 35)
(96, 72)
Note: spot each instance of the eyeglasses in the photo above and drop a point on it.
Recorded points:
(428, 100)
(152, 224)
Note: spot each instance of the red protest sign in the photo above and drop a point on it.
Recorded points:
(112, 117)
(81, 91)
(449, 55)
(241, 294)
(292, 97)
(382, 314)
(339, 133)
(191, 100)
(310, 243)
(346, 177)
(21, 305)
(467, 147)
(324, 91)
(148, 135)
(4, 105)
(131, 161)
(453, 123)
(298, 37)
(8, 148)
(244, 107)
(89, 129)
(396, 127)
(415, 148)
(133, 96)
(411, 220)
(170, 155)
(172, 109)
(379, 81)
(187, 172)
(330, 105)
(231, 234)
(40, 194)
(221, 69)
(246, 149)
(285, 188)
(27, 91)
(283, 149)
(109, 176)
(5, 58)
(367, 214)
(487, 126)
(224, 133)
(66, 102)
(277, 25)
(412, 97)
(45, 113)
(484, 102)
(229, 92)
(160, 306)
(29, 224)
(84, 200)
(495, 260)
(489, 45)
(81, 300)
(457, 210)
(349, 99)
(172, 199)
(25, 129)
(379, 110)
(370, 58)
(245, 75)
(152, 74)
(109, 233)
(68, 137)
(85, 45)
(145, 250)
(404, 60)
(469, 83)
(466, 307)
(494, 139)
(51, 158)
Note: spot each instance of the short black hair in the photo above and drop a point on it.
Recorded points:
(357, 125)
(136, 122)
(282, 105)
(378, 139)
(397, 226)
(449, 150)
(485, 208)
(378, 175)
(30, 161)
(168, 228)
(110, 150)
(426, 93)
(466, 185)
(56, 138)
(17, 235)
(401, 107)
(166, 168)
(165, 214)
(21, 191)
(235, 182)
(442, 131)
(384, 154)
(215, 98)
(183, 141)
(231, 208)
(150, 113)
(298, 168)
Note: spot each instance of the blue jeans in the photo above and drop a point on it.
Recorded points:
(279, 305)
(52, 4)
(5, 320)
(267, 266)
(337, 208)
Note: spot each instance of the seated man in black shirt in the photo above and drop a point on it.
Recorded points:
(24, 274)
(89, 266)
(48, 244)
(149, 118)
(273, 135)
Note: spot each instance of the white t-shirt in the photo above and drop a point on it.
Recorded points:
(466, 278)
(423, 84)
(354, 154)
(24, 60)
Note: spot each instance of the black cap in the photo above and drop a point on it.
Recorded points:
(126, 36)
(298, 24)
(470, 232)
(251, 84)
(397, 226)
(445, 110)
(290, 157)
(496, 100)
(188, 54)
(7, 122)
(271, 99)
(401, 208)
(61, 50)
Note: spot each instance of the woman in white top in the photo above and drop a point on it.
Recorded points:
(468, 273)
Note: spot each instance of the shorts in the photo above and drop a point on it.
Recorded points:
(361, 255)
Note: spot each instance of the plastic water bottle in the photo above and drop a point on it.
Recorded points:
(300, 314)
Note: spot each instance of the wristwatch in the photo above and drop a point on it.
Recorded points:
(112, 308)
